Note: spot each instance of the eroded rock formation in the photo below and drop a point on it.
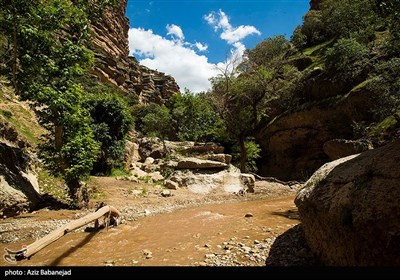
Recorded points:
(115, 67)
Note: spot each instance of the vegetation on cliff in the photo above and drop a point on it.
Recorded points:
(48, 52)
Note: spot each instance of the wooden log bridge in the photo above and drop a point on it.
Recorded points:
(110, 213)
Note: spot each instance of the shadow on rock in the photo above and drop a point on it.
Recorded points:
(291, 249)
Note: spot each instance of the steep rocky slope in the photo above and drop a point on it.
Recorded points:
(293, 142)
(116, 67)
(297, 139)
(19, 188)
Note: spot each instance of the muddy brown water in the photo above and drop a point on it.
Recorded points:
(174, 239)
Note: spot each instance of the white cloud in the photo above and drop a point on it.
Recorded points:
(232, 35)
(179, 58)
(220, 20)
(211, 20)
(190, 69)
(239, 33)
(201, 47)
(175, 30)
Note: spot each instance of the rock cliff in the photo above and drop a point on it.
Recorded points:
(114, 66)
(293, 142)
(111, 46)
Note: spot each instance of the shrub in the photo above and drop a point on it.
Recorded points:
(347, 59)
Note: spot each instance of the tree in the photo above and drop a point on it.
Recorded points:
(389, 9)
(49, 40)
(241, 98)
(298, 39)
(194, 118)
(14, 16)
(269, 52)
(253, 154)
(157, 122)
(343, 18)
(312, 27)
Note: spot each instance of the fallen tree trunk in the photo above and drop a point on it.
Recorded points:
(26, 252)
(274, 180)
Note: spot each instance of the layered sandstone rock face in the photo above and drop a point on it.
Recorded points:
(114, 65)
(111, 46)
(350, 211)
(150, 85)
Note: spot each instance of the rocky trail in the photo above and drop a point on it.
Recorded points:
(185, 229)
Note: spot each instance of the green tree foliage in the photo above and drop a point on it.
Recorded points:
(240, 98)
(253, 154)
(269, 52)
(312, 28)
(342, 18)
(157, 122)
(194, 118)
(390, 10)
(111, 121)
(298, 39)
(48, 42)
(386, 84)
(347, 59)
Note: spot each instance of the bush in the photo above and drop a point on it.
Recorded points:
(194, 119)
(269, 51)
(386, 86)
(111, 122)
(312, 28)
(298, 39)
(347, 59)
(343, 18)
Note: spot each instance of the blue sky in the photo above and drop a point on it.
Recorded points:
(192, 39)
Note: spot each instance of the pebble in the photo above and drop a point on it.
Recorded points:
(248, 215)
(166, 193)
(147, 253)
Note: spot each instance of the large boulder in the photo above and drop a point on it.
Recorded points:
(338, 148)
(350, 209)
(19, 189)
(220, 157)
